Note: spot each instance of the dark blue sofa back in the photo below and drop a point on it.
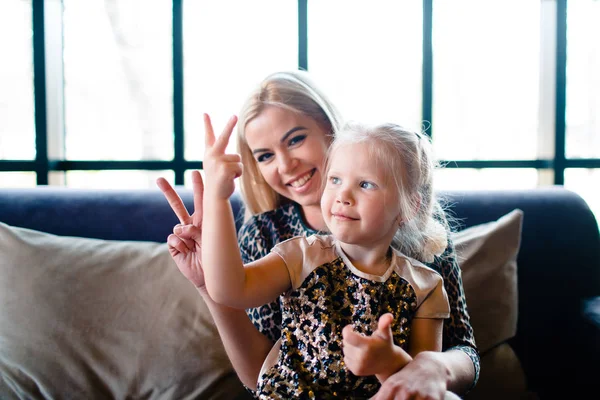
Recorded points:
(558, 264)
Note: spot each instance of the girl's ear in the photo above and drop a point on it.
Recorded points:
(399, 220)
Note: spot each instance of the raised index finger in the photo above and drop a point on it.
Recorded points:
(174, 201)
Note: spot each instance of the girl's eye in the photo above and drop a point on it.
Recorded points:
(335, 180)
(264, 157)
(296, 140)
(367, 185)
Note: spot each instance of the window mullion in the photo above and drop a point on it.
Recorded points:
(561, 81)
(55, 84)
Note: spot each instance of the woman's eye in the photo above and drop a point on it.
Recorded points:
(264, 157)
(296, 140)
(367, 185)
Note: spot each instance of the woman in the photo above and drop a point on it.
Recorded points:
(284, 131)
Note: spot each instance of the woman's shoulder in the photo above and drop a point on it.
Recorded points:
(285, 219)
(261, 232)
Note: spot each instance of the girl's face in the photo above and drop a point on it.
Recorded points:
(290, 151)
(360, 202)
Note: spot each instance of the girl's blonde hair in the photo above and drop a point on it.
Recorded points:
(409, 159)
(293, 91)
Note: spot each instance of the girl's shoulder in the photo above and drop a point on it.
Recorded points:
(415, 265)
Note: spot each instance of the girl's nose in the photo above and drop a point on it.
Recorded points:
(344, 197)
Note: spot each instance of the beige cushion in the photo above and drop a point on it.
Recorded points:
(487, 255)
(501, 378)
(85, 318)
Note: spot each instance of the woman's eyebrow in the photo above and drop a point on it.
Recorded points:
(283, 138)
(290, 132)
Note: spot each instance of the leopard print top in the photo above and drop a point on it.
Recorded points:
(327, 294)
(262, 232)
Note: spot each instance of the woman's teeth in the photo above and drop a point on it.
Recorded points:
(301, 181)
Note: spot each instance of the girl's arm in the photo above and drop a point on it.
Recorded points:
(378, 355)
(227, 280)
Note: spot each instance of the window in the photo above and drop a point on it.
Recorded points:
(219, 74)
(583, 80)
(367, 53)
(486, 79)
(17, 130)
(118, 80)
(110, 93)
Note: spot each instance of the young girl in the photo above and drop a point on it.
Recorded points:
(377, 204)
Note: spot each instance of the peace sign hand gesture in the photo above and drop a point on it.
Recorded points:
(221, 169)
(185, 243)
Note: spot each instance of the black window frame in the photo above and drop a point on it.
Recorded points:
(43, 165)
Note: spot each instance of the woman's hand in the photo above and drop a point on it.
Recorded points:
(424, 377)
(185, 242)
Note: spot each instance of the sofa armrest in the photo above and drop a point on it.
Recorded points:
(591, 315)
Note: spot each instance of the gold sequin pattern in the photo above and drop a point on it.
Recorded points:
(310, 364)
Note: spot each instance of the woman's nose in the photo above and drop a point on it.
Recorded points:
(287, 163)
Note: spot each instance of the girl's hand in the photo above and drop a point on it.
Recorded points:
(221, 169)
(375, 354)
(185, 242)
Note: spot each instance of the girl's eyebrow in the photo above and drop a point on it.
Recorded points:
(283, 138)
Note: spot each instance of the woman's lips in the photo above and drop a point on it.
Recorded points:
(306, 182)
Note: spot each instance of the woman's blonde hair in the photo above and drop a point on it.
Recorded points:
(408, 156)
(293, 91)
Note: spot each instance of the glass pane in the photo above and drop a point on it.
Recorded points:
(486, 79)
(583, 79)
(111, 179)
(486, 179)
(229, 46)
(17, 129)
(585, 182)
(17, 179)
(118, 79)
(369, 53)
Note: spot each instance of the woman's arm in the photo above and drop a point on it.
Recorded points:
(425, 335)
(246, 347)
(455, 369)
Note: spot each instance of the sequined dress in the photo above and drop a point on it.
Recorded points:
(328, 293)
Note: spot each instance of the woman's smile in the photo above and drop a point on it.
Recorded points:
(300, 184)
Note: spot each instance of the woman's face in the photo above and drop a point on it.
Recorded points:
(290, 151)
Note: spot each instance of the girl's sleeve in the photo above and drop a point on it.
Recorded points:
(458, 332)
(254, 245)
(436, 304)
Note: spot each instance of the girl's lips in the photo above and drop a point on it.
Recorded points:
(343, 217)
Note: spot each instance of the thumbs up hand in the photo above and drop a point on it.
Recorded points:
(376, 354)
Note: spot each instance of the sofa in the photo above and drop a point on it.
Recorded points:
(92, 306)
